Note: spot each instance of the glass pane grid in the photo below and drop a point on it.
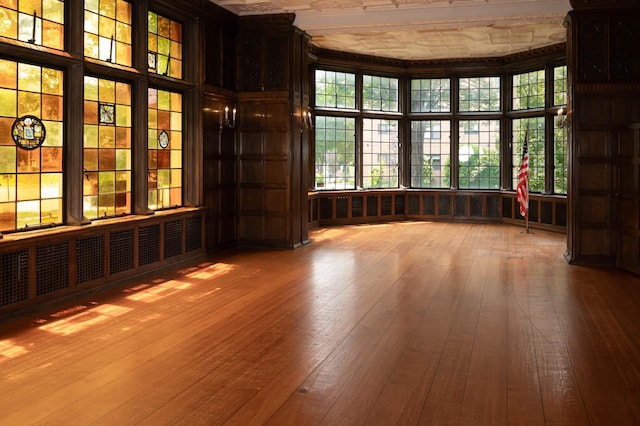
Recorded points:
(335, 165)
(380, 153)
(528, 90)
(164, 149)
(560, 159)
(107, 148)
(31, 184)
(430, 154)
(479, 154)
(39, 22)
(431, 95)
(165, 46)
(560, 85)
(107, 31)
(380, 93)
(479, 94)
(335, 89)
(536, 144)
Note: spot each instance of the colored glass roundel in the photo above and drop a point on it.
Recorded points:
(163, 139)
(28, 132)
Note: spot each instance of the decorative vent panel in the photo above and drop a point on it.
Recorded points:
(148, 245)
(460, 205)
(429, 205)
(193, 237)
(356, 207)
(342, 207)
(326, 207)
(546, 212)
(14, 277)
(372, 205)
(399, 204)
(172, 238)
(121, 251)
(52, 268)
(561, 214)
(385, 205)
(476, 206)
(493, 206)
(90, 256)
(444, 205)
(507, 209)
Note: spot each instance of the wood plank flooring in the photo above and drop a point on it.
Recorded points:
(411, 323)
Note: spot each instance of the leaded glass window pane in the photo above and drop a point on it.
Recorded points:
(39, 22)
(379, 93)
(335, 89)
(335, 153)
(536, 144)
(380, 153)
(479, 94)
(107, 148)
(479, 154)
(165, 46)
(107, 31)
(31, 187)
(430, 153)
(431, 95)
(164, 149)
(528, 90)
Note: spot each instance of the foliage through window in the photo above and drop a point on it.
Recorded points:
(335, 89)
(335, 164)
(536, 145)
(479, 154)
(479, 94)
(431, 95)
(379, 93)
(560, 85)
(380, 153)
(430, 153)
(528, 90)
(31, 180)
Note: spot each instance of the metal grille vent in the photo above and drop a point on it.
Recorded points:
(399, 204)
(372, 206)
(149, 245)
(342, 208)
(121, 251)
(356, 207)
(52, 268)
(193, 237)
(90, 255)
(385, 205)
(13, 277)
(172, 238)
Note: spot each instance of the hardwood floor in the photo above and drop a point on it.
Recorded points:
(411, 323)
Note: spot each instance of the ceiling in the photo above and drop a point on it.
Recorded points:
(421, 29)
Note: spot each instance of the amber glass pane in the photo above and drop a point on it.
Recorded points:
(9, 23)
(51, 159)
(8, 74)
(7, 216)
(51, 210)
(28, 186)
(53, 10)
(8, 103)
(165, 37)
(29, 77)
(53, 35)
(28, 161)
(52, 81)
(28, 104)
(54, 133)
(29, 6)
(103, 164)
(27, 213)
(51, 185)
(5, 132)
(7, 159)
(51, 107)
(8, 188)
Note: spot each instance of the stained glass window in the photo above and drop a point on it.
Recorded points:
(37, 22)
(165, 46)
(31, 187)
(107, 148)
(165, 149)
(107, 30)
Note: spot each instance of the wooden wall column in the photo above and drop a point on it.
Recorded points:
(604, 81)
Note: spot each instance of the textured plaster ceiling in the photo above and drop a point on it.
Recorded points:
(421, 29)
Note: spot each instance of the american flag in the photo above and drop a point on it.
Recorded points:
(523, 177)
